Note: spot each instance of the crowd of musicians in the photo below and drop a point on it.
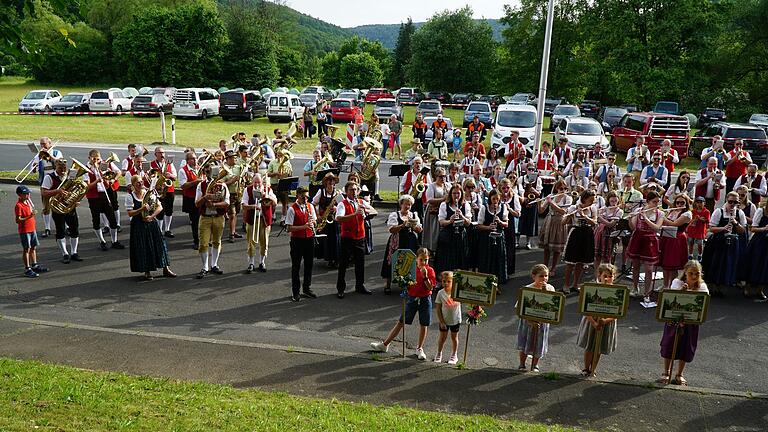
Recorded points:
(473, 207)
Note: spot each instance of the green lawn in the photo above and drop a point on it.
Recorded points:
(43, 397)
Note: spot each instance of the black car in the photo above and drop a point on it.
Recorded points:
(711, 115)
(754, 138)
(151, 104)
(494, 100)
(72, 102)
(245, 104)
(610, 117)
(463, 98)
(590, 108)
(551, 102)
(441, 96)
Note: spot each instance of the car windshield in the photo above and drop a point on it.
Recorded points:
(759, 118)
(429, 105)
(478, 107)
(312, 90)
(520, 119)
(386, 103)
(460, 96)
(35, 95)
(714, 112)
(405, 91)
(308, 98)
(552, 101)
(746, 133)
(348, 95)
(520, 97)
(231, 98)
(666, 107)
(614, 112)
(72, 98)
(584, 129)
(566, 110)
(340, 104)
(142, 99)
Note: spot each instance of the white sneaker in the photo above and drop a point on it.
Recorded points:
(379, 346)
(420, 354)
(453, 360)
(438, 357)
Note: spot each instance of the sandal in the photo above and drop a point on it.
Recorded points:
(522, 367)
(664, 379)
(679, 380)
(535, 369)
(585, 373)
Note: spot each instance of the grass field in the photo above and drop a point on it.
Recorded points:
(42, 397)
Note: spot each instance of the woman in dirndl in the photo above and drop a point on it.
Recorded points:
(688, 334)
(607, 219)
(757, 250)
(529, 187)
(554, 231)
(324, 200)
(644, 244)
(148, 251)
(436, 192)
(580, 245)
(721, 250)
(454, 216)
(491, 247)
(512, 201)
(674, 250)
(404, 228)
(475, 201)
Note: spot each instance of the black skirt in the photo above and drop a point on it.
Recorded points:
(529, 221)
(492, 255)
(580, 246)
(148, 250)
(452, 249)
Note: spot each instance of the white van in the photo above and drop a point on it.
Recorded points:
(521, 118)
(196, 102)
(109, 100)
(284, 106)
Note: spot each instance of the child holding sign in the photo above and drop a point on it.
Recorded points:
(449, 317)
(527, 344)
(590, 325)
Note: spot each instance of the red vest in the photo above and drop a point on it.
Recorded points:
(755, 185)
(155, 165)
(353, 228)
(132, 171)
(668, 164)
(219, 210)
(563, 155)
(513, 151)
(92, 192)
(407, 186)
(301, 218)
(548, 164)
(130, 163)
(701, 191)
(55, 181)
(736, 168)
(189, 192)
(266, 212)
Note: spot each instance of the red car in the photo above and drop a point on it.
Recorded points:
(375, 94)
(343, 110)
(655, 127)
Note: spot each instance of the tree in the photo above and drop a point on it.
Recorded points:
(453, 52)
(330, 65)
(359, 71)
(402, 54)
(251, 52)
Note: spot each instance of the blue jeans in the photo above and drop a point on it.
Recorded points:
(422, 305)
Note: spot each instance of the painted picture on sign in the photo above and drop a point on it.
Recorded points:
(682, 306)
(404, 261)
(607, 301)
(543, 306)
(474, 288)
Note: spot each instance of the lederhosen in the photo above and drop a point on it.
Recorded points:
(99, 202)
(67, 224)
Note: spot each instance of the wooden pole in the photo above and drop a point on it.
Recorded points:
(466, 345)
(674, 353)
(596, 350)
(403, 355)
(535, 336)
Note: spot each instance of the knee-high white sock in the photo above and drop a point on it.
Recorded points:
(104, 221)
(62, 246)
(117, 217)
(251, 260)
(113, 233)
(73, 242)
(204, 259)
(47, 221)
(99, 235)
(214, 257)
(261, 258)
(159, 224)
(167, 222)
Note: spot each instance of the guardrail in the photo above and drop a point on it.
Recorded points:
(447, 105)
(76, 113)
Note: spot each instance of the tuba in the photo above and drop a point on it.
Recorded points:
(215, 184)
(73, 190)
(150, 199)
(371, 158)
(107, 173)
(284, 168)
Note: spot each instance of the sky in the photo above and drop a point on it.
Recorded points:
(352, 13)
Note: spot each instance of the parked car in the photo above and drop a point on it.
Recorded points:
(130, 92)
(441, 96)
(582, 132)
(521, 118)
(480, 109)
(522, 99)
(109, 100)
(169, 92)
(463, 98)
(375, 94)
(562, 111)
(245, 104)
(72, 102)
(550, 103)
(322, 92)
(494, 100)
(39, 100)
(429, 134)
(611, 116)
(630, 108)
(759, 120)
(360, 102)
(344, 110)
(711, 115)
(385, 107)
(667, 107)
(284, 106)
(409, 94)
(754, 139)
(310, 101)
(590, 108)
(429, 107)
(151, 104)
(145, 90)
(655, 127)
(196, 102)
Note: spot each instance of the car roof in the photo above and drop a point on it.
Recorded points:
(386, 99)
(510, 107)
(342, 99)
(737, 125)
(430, 100)
(582, 120)
(42, 90)
(566, 105)
(477, 103)
(714, 109)
(283, 94)
(75, 93)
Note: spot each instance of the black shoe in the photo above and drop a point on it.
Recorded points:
(46, 233)
(39, 269)
(340, 295)
(250, 269)
(387, 291)
(65, 259)
(119, 229)
(216, 270)
(237, 235)
(231, 239)
(195, 246)
(103, 246)
(169, 234)
(332, 264)
(201, 274)
(296, 299)
(105, 230)
(309, 293)
(363, 290)
(75, 257)
(118, 245)
(262, 268)
(377, 198)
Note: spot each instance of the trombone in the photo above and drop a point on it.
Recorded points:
(29, 168)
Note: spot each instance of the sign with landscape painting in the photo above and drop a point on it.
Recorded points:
(689, 307)
(474, 288)
(542, 306)
(605, 301)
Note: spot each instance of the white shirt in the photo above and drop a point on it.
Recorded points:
(637, 165)
(392, 219)
(646, 175)
(513, 204)
(521, 181)
(340, 211)
(710, 182)
(403, 181)
(674, 191)
(761, 189)
(95, 170)
(739, 215)
(48, 183)
(183, 176)
(757, 217)
(199, 194)
(573, 182)
(320, 192)
(290, 216)
(502, 214)
(604, 169)
(266, 194)
(451, 314)
(677, 285)
(431, 189)
(442, 213)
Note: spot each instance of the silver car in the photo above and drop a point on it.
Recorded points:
(562, 111)
(429, 107)
(385, 107)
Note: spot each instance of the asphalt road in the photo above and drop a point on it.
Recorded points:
(101, 291)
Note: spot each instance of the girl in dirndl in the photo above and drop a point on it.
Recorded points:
(529, 187)
(527, 344)
(580, 246)
(475, 201)
(436, 192)
(512, 201)
(674, 250)
(491, 248)
(757, 250)
(644, 244)
(607, 219)
(721, 252)
(404, 228)
(147, 245)
(688, 333)
(554, 231)
(454, 217)
(585, 338)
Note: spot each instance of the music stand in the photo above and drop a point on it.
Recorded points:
(33, 148)
(398, 170)
(321, 174)
(287, 184)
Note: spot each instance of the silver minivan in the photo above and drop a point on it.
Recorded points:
(196, 102)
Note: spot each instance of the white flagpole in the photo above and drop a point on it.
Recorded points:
(543, 79)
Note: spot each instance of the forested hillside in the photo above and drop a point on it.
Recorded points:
(387, 33)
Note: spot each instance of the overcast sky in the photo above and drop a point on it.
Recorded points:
(352, 13)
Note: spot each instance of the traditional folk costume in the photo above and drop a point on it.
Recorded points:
(605, 241)
(513, 204)
(585, 337)
(491, 245)
(406, 238)
(688, 333)
(452, 240)
(580, 246)
(757, 250)
(529, 216)
(674, 250)
(148, 249)
(525, 340)
(431, 224)
(721, 250)
(327, 247)
(554, 231)
(644, 243)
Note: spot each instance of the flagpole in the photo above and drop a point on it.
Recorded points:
(543, 79)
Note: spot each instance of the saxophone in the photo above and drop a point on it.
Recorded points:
(419, 185)
(73, 190)
(326, 217)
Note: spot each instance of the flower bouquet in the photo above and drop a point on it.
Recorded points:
(404, 282)
(475, 314)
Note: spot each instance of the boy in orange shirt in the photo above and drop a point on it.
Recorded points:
(25, 218)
